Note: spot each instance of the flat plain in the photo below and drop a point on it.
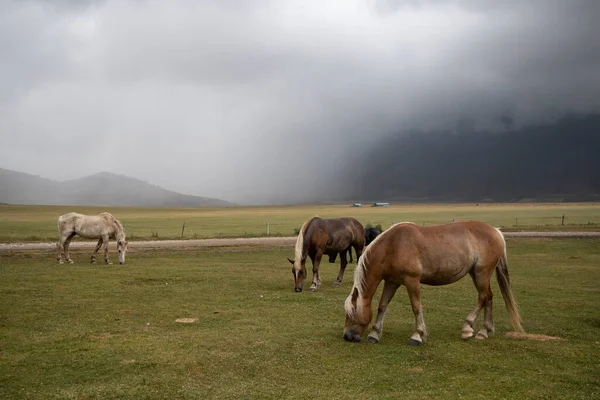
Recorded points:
(110, 332)
(38, 223)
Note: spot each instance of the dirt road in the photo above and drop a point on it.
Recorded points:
(157, 244)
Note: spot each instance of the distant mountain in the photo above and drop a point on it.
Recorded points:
(103, 189)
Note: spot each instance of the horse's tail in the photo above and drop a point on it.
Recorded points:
(509, 299)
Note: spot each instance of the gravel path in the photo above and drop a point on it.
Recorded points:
(157, 244)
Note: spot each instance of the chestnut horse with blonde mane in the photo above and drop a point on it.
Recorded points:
(410, 255)
(102, 227)
(331, 237)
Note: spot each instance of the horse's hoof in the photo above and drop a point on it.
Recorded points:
(108, 263)
(71, 262)
(372, 339)
(61, 262)
(337, 283)
(312, 289)
(93, 262)
(466, 335)
(413, 342)
(480, 337)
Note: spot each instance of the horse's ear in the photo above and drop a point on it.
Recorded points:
(291, 261)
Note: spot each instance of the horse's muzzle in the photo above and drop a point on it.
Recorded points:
(298, 289)
(351, 336)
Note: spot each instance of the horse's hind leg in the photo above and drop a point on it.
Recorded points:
(343, 264)
(59, 250)
(389, 289)
(484, 299)
(93, 260)
(413, 287)
(488, 322)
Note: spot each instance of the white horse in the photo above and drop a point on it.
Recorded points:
(103, 227)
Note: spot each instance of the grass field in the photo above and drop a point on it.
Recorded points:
(109, 332)
(38, 223)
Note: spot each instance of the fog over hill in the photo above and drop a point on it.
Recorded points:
(559, 161)
(102, 189)
(271, 102)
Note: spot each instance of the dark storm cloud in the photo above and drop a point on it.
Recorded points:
(263, 101)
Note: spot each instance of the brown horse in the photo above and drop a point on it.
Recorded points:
(331, 237)
(409, 255)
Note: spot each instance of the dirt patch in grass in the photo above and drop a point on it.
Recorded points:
(532, 336)
(186, 320)
(123, 362)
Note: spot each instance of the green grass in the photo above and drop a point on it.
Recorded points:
(108, 332)
(38, 223)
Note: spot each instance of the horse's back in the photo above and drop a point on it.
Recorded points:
(442, 253)
(68, 218)
(335, 233)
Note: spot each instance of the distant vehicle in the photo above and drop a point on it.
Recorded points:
(380, 204)
(356, 205)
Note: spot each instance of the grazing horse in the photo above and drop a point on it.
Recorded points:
(320, 236)
(102, 227)
(410, 255)
(371, 234)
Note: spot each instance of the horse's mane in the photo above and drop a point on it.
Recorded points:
(360, 273)
(111, 218)
(299, 249)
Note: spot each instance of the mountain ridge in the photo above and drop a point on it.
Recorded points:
(100, 189)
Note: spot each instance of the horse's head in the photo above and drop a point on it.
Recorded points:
(299, 272)
(357, 317)
(122, 250)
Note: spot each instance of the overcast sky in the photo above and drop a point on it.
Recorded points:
(260, 101)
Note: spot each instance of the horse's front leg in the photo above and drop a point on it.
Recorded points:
(413, 287)
(316, 281)
(93, 260)
(343, 264)
(66, 247)
(105, 240)
(389, 289)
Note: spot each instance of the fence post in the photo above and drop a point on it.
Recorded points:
(182, 228)
(516, 221)
(563, 220)
(267, 229)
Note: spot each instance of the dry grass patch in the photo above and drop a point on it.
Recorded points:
(532, 336)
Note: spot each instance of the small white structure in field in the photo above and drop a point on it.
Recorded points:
(380, 204)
